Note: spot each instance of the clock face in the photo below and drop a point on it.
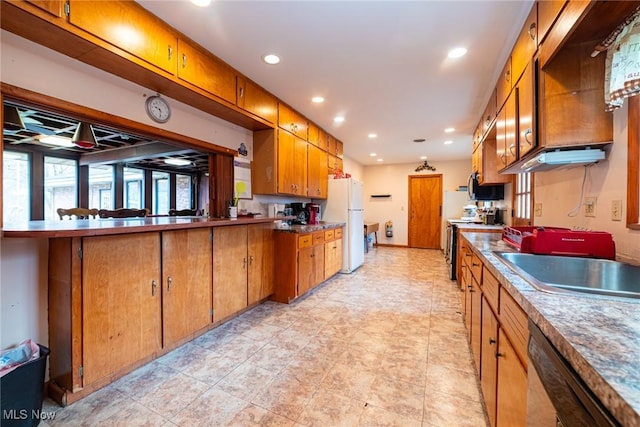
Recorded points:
(158, 109)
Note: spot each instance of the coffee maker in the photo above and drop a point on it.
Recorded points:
(314, 213)
(300, 213)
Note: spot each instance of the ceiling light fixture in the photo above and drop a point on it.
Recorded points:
(372, 154)
(449, 130)
(447, 142)
(12, 119)
(84, 136)
(338, 119)
(380, 160)
(201, 3)
(423, 157)
(458, 52)
(177, 162)
(271, 59)
(317, 100)
(56, 140)
(373, 135)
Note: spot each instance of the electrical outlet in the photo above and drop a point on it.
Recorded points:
(590, 206)
(537, 209)
(616, 210)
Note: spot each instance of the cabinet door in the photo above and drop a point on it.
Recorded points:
(548, 11)
(526, 44)
(332, 257)
(261, 252)
(54, 7)
(527, 138)
(254, 99)
(121, 303)
(489, 361)
(317, 172)
(510, 137)
(229, 270)
(201, 69)
(501, 143)
(512, 386)
(186, 283)
(128, 26)
(503, 86)
(306, 269)
(291, 121)
(476, 322)
(292, 164)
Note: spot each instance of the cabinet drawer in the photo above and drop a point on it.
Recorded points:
(318, 238)
(338, 233)
(305, 240)
(514, 322)
(476, 267)
(329, 235)
(491, 289)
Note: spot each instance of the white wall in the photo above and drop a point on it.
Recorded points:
(559, 192)
(394, 180)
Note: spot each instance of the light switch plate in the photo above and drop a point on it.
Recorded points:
(616, 210)
(590, 206)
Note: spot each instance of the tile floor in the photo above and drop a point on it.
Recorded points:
(384, 346)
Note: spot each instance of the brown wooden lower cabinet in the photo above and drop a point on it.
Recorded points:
(497, 332)
(304, 261)
(119, 301)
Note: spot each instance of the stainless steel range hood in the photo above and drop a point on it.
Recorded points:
(563, 159)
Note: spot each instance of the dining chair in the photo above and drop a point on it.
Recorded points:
(183, 212)
(79, 213)
(122, 213)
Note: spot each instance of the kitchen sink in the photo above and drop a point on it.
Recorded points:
(564, 274)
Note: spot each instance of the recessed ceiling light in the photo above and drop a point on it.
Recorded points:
(449, 130)
(381, 160)
(177, 162)
(419, 140)
(201, 3)
(338, 119)
(317, 99)
(372, 154)
(448, 142)
(373, 135)
(271, 59)
(423, 157)
(57, 140)
(457, 52)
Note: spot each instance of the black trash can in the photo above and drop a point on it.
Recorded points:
(22, 392)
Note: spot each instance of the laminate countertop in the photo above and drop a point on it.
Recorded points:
(598, 335)
(309, 228)
(107, 226)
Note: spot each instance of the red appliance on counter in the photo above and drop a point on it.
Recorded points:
(560, 241)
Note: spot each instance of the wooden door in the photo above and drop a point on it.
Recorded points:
(317, 172)
(261, 257)
(121, 303)
(255, 100)
(510, 137)
(476, 322)
(229, 270)
(54, 7)
(425, 211)
(318, 264)
(186, 283)
(489, 362)
(286, 160)
(512, 386)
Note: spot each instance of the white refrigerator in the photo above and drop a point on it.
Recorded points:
(345, 203)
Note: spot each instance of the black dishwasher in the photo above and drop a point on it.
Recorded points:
(574, 403)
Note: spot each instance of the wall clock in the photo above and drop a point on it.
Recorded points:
(158, 109)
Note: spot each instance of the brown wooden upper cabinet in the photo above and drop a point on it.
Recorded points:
(128, 26)
(292, 164)
(526, 45)
(255, 100)
(203, 70)
(527, 138)
(313, 134)
(503, 86)
(54, 7)
(489, 114)
(291, 121)
(548, 11)
(317, 172)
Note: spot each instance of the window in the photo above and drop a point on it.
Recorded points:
(60, 185)
(101, 186)
(160, 193)
(133, 188)
(523, 196)
(183, 192)
(16, 187)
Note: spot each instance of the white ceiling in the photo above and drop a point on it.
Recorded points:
(381, 64)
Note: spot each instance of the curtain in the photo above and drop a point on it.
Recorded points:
(622, 66)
